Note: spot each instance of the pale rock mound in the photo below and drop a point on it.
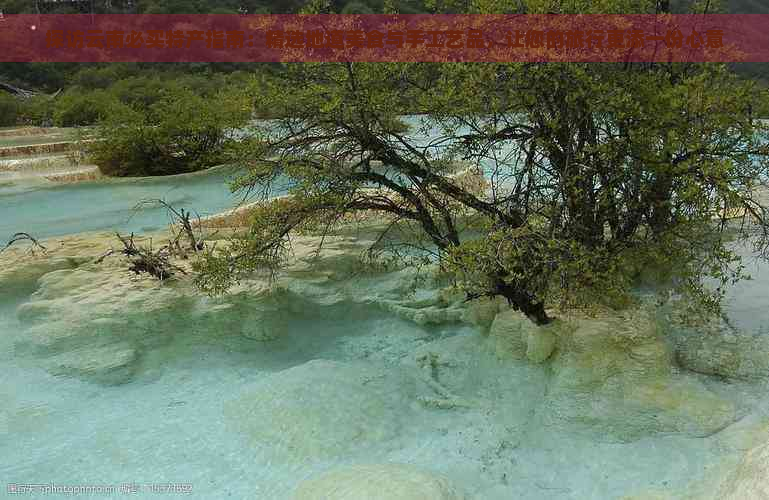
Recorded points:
(321, 410)
(378, 482)
(90, 317)
(431, 306)
(85, 307)
(22, 264)
(257, 314)
(614, 375)
(482, 312)
(513, 335)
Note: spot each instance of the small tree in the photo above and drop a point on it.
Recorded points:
(595, 171)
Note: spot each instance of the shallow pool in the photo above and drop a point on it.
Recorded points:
(44, 210)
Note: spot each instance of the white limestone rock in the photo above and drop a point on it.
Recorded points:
(321, 410)
(614, 376)
(515, 336)
(481, 312)
(259, 314)
(21, 265)
(340, 257)
(378, 482)
(95, 304)
(541, 343)
(423, 316)
(79, 308)
(509, 334)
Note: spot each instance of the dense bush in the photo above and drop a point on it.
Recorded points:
(9, 109)
(77, 108)
(183, 132)
(37, 111)
(141, 92)
(102, 77)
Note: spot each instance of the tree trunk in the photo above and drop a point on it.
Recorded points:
(522, 301)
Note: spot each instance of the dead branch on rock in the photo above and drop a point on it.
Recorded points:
(24, 237)
(156, 263)
(184, 226)
(129, 247)
(103, 256)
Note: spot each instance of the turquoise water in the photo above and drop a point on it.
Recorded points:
(44, 211)
(171, 424)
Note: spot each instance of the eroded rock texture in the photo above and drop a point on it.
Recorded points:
(378, 482)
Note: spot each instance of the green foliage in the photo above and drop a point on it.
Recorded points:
(9, 110)
(356, 7)
(92, 77)
(141, 92)
(77, 108)
(568, 273)
(182, 132)
(594, 169)
(36, 110)
(93, 89)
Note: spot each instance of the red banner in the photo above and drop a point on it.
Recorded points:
(471, 38)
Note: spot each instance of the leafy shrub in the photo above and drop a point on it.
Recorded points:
(9, 109)
(102, 77)
(36, 110)
(143, 91)
(76, 108)
(181, 133)
(356, 7)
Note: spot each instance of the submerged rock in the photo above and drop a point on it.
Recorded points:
(540, 343)
(429, 315)
(508, 334)
(110, 364)
(652, 495)
(378, 482)
(614, 375)
(751, 479)
(97, 302)
(86, 307)
(321, 410)
(740, 477)
(716, 348)
(257, 314)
